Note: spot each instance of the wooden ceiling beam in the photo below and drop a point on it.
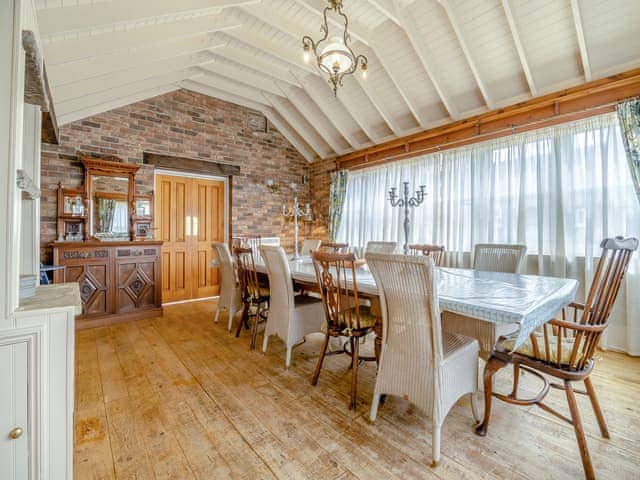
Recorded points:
(582, 44)
(290, 134)
(513, 26)
(86, 17)
(467, 52)
(237, 55)
(590, 99)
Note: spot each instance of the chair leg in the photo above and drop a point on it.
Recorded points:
(375, 403)
(516, 379)
(287, 362)
(579, 430)
(217, 317)
(254, 329)
(244, 320)
(355, 347)
(474, 407)
(323, 353)
(492, 366)
(596, 407)
(265, 342)
(435, 442)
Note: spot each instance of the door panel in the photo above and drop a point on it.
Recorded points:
(14, 400)
(208, 227)
(191, 217)
(173, 205)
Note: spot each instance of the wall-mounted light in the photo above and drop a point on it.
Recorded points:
(271, 185)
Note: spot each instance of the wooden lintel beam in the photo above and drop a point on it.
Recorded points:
(193, 165)
(563, 106)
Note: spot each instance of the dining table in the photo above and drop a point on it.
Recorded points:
(525, 301)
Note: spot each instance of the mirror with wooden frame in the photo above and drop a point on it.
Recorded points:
(110, 188)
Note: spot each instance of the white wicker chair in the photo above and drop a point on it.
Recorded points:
(229, 298)
(309, 245)
(417, 362)
(488, 257)
(381, 247)
(290, 317)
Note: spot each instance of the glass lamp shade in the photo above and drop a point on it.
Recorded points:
(335, 56)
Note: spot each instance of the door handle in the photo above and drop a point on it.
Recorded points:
(16, 433)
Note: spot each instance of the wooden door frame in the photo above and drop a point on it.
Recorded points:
(227, 191)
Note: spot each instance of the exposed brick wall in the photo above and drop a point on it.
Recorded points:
(187, 124)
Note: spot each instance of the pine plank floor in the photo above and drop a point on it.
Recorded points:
(178, 397)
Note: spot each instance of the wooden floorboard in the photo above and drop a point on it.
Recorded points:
(178, 397)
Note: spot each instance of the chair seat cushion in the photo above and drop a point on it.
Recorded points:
(526, 348)
(367, 320)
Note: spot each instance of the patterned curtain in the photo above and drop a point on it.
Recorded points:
(629, 116)
(337, 194)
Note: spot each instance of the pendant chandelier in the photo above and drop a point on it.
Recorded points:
(333, 54)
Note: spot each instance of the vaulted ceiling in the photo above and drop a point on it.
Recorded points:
(430, 62)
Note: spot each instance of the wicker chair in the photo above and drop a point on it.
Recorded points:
(433, 251)
(381, 247)
(344, 312)
(417, 362)
(290, 317)
(493, 258)
(229, 299)
(564, 349)
(309, 245)
(332, 247)
(255, 297)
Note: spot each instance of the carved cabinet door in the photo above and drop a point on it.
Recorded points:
(93, 278)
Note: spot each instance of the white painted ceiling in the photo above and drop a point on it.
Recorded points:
(430, 62)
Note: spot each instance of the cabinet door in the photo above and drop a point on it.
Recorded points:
(173, 204)
(208, 227)
(14, 399)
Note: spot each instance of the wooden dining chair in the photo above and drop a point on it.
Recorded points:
(490, 257)
(419, 363)
(565, 348)
(229, 298)
(333, 247)
(290, 317)
(255, 297)
(344, 313)
(434, 251)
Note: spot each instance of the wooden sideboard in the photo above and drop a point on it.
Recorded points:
(119, 281)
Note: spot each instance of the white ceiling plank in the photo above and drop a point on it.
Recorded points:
(584, 55)
(321, 102)
(387, 8)
(352, 108)
(100, 44)
(64, 108)
(409, 25)
(467, 53)
(108, 81)
(290, 134)
(63, 74)
(374, 98)
(357, 30)
(84, 17)
(229, 85)
(280, 106)
(397, 82)
(121, 101)
(506, 6)
(241, 56)
(258, 80)
(317, 123)
(275, 20)
(197, 86)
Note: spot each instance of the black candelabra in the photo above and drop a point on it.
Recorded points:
(405, 202)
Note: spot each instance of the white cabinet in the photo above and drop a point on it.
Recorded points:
(14, 401)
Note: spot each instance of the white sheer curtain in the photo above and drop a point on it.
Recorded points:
(559, 190)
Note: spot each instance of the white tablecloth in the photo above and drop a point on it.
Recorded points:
(526, 300)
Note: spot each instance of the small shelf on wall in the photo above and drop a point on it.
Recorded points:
(30, 191)
(72, 214)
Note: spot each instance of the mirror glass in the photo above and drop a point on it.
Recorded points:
(143, 207)
(109, 207)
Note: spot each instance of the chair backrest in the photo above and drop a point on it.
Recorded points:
(309, 245)
(332, 247)
(247, 274)
(280, 285)
(381, 247)
(587, 328)
(499, 257)
(225, 265)
(433, 251)
(336, 276)
(407, 287)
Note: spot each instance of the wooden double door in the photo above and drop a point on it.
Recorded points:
(189, 217)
